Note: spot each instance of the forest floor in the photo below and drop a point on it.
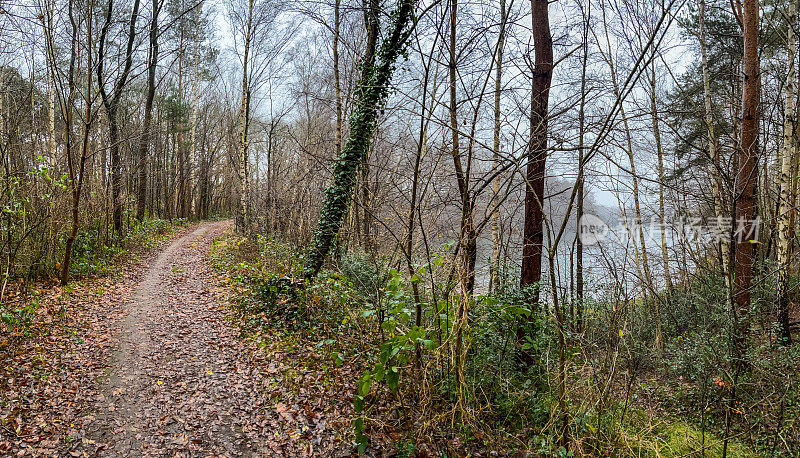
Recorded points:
(150, 363)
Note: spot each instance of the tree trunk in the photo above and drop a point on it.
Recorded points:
(533, 233)
(111, 104)
(243, 219)
(537, 150)
(116, 169)
(786, 199)
(494, 274)
(370, 96)
(180, 170)
(75, 176)
(661, 191)
(191, 162)
(746, 175)
(640, 249)
(713, 150)
(336, 78)
(372, 25)
(424, 120)
(465, 273)
(144, 144)
(581, 176)
(51, 104)
(659, 344)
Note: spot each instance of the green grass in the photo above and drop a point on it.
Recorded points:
(675, 438)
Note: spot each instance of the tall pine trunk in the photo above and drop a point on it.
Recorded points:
(533, 233)
(747, 175)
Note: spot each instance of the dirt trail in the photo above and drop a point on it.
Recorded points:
(180, 383)
(151, 362)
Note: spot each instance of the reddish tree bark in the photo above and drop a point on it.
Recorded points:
(537, 147)
(747, 172)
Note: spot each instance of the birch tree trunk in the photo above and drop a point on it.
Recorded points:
(2, 104)
(51, 105)
(243, 220)
(640, 250)
(498, 86)
(661, 211)
(786, 199)
(661, 193)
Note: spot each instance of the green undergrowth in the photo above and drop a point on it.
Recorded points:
(680, 439)
(95, 256)
(314, 328)
(91, 258)
(272, 295)
(671, 438)
(315, 323)
(357, 321)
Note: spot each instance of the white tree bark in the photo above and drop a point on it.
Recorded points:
(243, 222)
(787, 153)
(498, 83)
(193, 144)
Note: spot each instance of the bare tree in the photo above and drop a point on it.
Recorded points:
(111, 103)
(371, 94)
(144, 144)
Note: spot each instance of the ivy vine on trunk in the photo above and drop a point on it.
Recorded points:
(371, 95)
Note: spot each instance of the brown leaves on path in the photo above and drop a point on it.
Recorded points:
(49, 381)
(163, 373)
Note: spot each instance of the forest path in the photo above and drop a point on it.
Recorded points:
(180, 383)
